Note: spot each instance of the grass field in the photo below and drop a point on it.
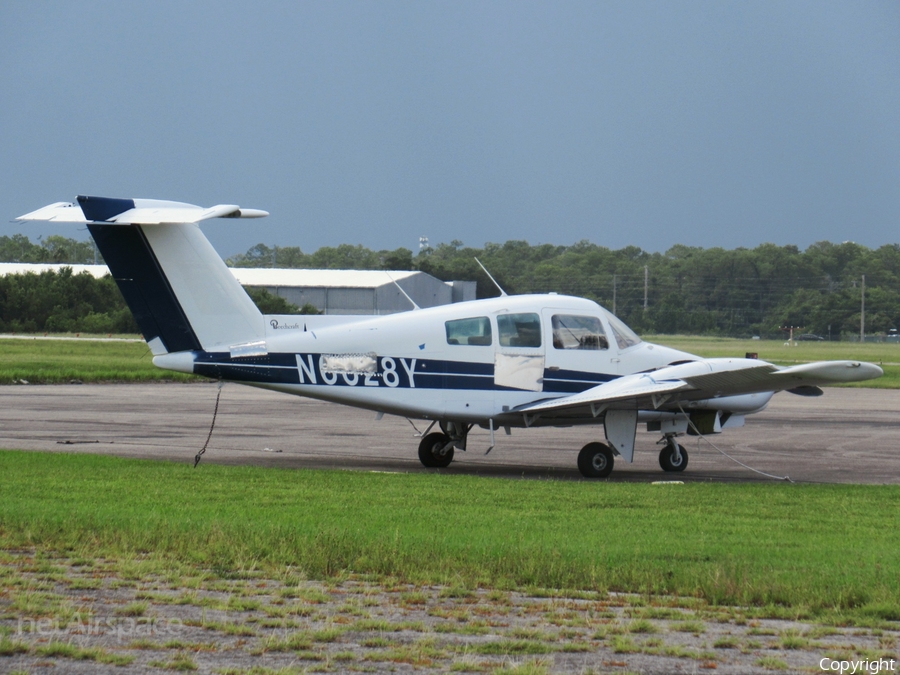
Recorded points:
(795, 550)
(58, 361)
(884, 354)
(54, 361)
(778, 352)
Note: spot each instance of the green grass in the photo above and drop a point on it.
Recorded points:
(808, 549)
(68, 650)
(887, 355)
(60, 361)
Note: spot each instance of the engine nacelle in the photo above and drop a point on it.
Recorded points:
(744, 404)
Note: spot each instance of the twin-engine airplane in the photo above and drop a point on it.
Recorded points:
(510, 361)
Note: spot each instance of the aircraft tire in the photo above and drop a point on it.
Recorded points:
(429, 451)
(665, 459)
(595, 460)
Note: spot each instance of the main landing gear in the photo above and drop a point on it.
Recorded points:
(595, 460)
(436, 450)
(673, 457)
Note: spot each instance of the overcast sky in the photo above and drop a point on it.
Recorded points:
(625, 123)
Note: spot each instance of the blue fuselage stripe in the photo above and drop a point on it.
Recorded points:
(391, 372)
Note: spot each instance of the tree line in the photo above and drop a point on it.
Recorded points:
(693, 290)
(54, 249)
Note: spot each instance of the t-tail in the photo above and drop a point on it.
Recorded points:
(182, 295)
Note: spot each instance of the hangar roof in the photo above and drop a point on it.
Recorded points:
(317, 278)
(6, 268)
(249, 276)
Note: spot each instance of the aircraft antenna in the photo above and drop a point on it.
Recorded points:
(499, 288)
(400, 288)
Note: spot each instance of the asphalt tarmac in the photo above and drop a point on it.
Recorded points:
(845, 436)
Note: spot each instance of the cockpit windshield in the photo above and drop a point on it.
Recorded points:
(625, 337)
(572, 331)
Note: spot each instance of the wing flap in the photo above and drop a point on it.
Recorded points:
(639, 388)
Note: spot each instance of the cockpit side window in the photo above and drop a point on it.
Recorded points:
(519, 330)
(625, 337)
(475, 331)
(578, 332)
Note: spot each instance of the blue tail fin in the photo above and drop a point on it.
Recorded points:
(144, 286)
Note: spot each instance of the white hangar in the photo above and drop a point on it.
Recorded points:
(356, 291)
(330, 291)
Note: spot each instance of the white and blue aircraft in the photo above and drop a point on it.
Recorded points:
(511, 361)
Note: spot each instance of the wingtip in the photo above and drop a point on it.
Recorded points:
(253, 213)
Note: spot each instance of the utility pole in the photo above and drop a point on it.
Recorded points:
(614, 294)
(646, 277)
(862, 311)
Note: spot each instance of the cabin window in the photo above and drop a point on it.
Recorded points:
(625, 337)
(578, 332)
(519, 330)
(476, 331)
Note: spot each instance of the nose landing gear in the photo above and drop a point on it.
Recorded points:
(436, 450)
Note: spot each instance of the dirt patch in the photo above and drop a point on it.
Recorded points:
(133, 616)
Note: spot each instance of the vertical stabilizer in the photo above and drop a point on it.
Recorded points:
(182, 295)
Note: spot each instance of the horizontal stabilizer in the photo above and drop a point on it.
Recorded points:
(136, 212)
(58, 212)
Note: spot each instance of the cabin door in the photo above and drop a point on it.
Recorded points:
(519, 354)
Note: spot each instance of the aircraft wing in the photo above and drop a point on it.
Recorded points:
(703, 379)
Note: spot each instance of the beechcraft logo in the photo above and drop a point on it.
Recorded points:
(283, 326)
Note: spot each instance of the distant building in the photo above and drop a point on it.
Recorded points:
(356, 291)
(330, 291)
(96, 271)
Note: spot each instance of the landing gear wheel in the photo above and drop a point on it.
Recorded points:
(595, 461)
(670, 462)
(433, 451)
